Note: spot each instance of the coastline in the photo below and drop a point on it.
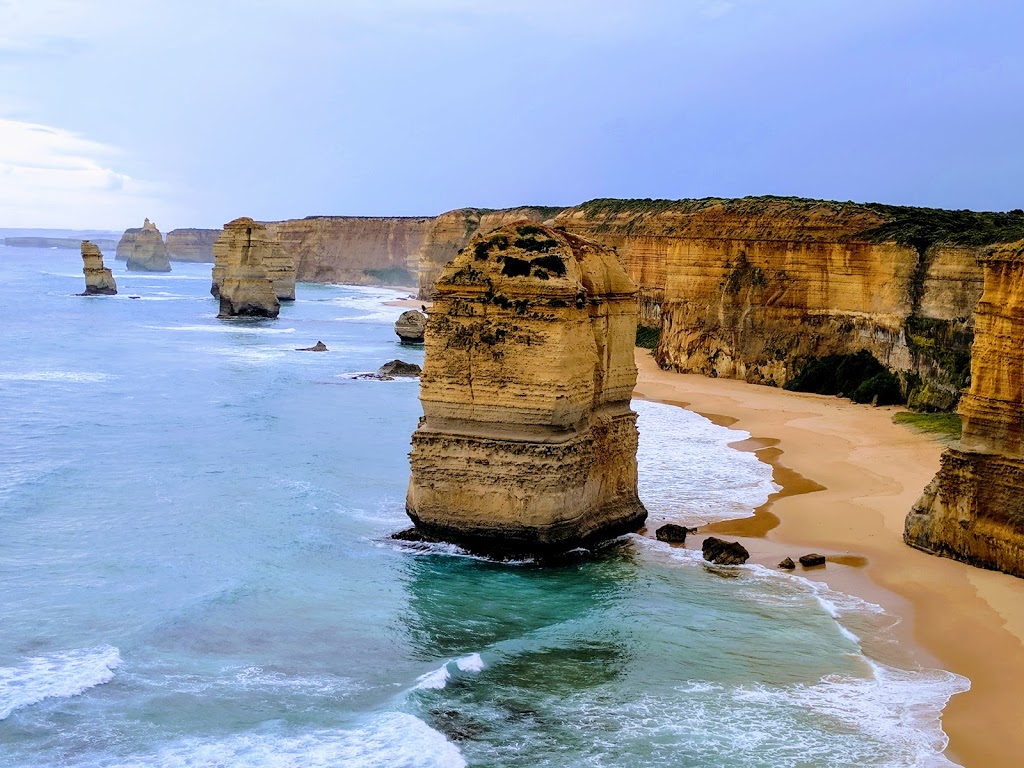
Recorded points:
(848, 476)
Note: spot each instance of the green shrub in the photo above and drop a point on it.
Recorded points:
(859, 376)
(647, 337)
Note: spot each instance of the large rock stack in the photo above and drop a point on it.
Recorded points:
(244, 288)
(974, 508)
(144, 250)
(99, 280)
(528, 443)
(278, 263)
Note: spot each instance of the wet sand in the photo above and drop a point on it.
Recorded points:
(848, 476)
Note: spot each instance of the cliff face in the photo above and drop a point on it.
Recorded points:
(528, 442)
(751, 288)
(244, 288)
(191, 244)
(277, 263)
(352, 249)
(450, 232)
(144, 250)
(974, 508)
(99, 280)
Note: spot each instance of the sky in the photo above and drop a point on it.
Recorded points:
(193, 113)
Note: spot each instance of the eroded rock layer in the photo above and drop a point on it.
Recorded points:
(974, 508)
(99, 280)
(278, 263)
(528, 442)
(144, 250)
(244, 287)
(194, 245)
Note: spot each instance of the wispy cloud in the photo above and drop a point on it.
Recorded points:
(52, 177)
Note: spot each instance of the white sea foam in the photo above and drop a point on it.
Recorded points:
(438, 678)
(688, 472)
(391, 740)
(227, 327)
(471, 663)
(75, 377)
(58, 675)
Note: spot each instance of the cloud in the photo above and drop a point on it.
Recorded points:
(55, 178)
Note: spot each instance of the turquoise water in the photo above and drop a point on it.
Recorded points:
(196, 570)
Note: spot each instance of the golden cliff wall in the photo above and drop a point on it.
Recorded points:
(195, 245)
(974, 508)
(354, 250)
(528, 442)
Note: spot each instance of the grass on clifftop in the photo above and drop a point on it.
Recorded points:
(945, 426)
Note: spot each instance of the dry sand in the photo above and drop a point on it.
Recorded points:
(849, 475)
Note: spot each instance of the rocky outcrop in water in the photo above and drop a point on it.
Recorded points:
(244, 287)
(277, 263)
(974, 508)
(144, 250)
(99, 280)
(722, 552)
(528, 442)
(399, 368)
(318, 347)
(410, 327)
(195, 245)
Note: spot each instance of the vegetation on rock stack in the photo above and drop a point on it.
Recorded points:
(859, 377)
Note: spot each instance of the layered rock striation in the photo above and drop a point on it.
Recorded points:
(528, 442)
(195, 245)
(974, 508)
(99, 280)
(243, 284)
(144, 250)
(277, 263)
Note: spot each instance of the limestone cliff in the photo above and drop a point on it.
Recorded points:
(144, 250)
(528, 442)
(450, 232)
(99, 280)
(354, 250)
(751, 288)
(191, 244)
(974, 508)
(244, 287)
(278, 263)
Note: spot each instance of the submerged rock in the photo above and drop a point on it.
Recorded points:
(673, 533)
(411, 326)
(318, 347)
(528, 443)
(399, 368)
(144, 249)
(99, 280)
(245, 289)
(812, 560)
(721, 552)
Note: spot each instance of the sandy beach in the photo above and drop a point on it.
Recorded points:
(848, 476)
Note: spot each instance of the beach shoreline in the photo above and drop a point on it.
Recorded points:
(848, 476)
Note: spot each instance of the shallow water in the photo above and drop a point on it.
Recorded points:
(194, 549)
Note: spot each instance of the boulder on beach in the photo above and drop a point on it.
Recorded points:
(787, 564)
(318, 347)
(812, 560)
(672, 533)
(721, 552)
(411, 326)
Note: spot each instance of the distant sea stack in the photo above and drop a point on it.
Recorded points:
(244, 287)
(974, 508)
(528, 443)
(195, 245)
(99, 280)
(277, 262)
(144, 250)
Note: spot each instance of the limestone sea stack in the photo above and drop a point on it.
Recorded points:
(278, 263)
(411, 326)
(528, 443)
(99, 281)
(144, 250)
(974, 508)
(245, 289)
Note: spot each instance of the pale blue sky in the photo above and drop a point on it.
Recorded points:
(193, 113)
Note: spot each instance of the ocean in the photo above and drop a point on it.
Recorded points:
(196, 569)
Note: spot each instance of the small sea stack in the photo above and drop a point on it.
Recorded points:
(411, 326)
(144, 250)
(528, 442)
(99, 280)
(245, 289)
